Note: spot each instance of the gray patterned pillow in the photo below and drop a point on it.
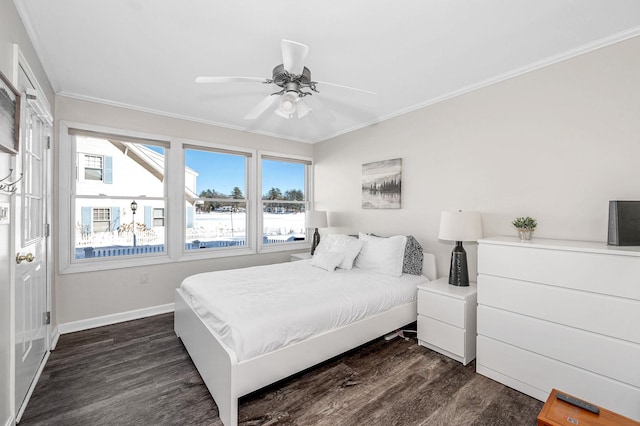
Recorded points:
(413, 257)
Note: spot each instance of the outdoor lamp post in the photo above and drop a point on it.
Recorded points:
(134, 207)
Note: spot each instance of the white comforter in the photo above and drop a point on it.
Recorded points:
(260, 309)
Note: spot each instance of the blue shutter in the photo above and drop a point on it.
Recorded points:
(189, 217)
(115, 218)
(86, 220)
(108, 169)
(148, 217)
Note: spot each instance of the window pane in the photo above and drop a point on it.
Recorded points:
(92, 167)
(92, 174)
(112, 173)
(115, 230)
(158, 217)
(215, 203)
(283, 201)
(284, 223)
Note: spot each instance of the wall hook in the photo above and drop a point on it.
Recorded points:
(8, 176)
(10, 186)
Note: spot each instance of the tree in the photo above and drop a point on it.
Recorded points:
(211, 205)
(274, 194)
(294, 195)
(236, 193)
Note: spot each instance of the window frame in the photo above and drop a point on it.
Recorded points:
(174, 213)
(154, 217)
(250, 159)
(69, 174)
(101, 212)
(308, 191)
(86, 167)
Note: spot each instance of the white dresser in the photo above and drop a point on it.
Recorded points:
(447, 319)
(561, 314)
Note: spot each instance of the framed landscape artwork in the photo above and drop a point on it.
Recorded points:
(381, 184)
(9, 116)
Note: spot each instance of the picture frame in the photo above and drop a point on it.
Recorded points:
(9, 116)
(382, 184)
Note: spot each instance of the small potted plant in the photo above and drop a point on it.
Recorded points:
(525, 227)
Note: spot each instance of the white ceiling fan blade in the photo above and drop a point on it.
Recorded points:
(324, 83)
(323, 112)
(293, 56)
(259, 109)
(230, 80)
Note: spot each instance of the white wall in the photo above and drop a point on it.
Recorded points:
(11, 32)
(556, 144)
(82, 296)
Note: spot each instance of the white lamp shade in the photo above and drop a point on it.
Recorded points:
(316, 219)
(287, 105)
(460, 226)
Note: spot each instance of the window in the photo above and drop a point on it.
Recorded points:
(118, 197)
(92, 167)
(101, 219)
(216, 214)
(95, 168)
(284, 200)
(158, 217)
(130, 199)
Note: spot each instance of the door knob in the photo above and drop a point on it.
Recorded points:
(28, 257)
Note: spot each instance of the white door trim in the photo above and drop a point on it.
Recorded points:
(45, 109)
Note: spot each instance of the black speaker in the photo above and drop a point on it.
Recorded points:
(624, 223)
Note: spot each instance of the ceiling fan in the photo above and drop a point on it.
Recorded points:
(292, 79)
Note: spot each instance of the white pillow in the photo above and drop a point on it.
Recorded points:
(383, 255)
(341, 243)
(328, 260)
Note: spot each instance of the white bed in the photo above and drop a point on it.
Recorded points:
(231, 367)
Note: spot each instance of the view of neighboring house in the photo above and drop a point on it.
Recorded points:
(120, 197)
(120, 204)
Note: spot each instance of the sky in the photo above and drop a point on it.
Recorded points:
(222, 172)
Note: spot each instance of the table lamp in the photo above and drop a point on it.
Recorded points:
(316, 219)
(460, 226)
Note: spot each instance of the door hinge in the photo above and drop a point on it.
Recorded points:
(48, 142)
(47, 230)
(47, 318)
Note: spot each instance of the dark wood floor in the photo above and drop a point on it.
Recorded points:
(138, 373)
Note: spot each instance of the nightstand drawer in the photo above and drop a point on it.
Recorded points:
(444, 308)
(444, 336)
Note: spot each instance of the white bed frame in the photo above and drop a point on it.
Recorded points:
(227, 379)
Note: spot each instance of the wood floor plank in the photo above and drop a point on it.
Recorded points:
(138, 373)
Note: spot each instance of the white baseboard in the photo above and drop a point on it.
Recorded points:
(86, 324)
(10, 422)
(53, 338)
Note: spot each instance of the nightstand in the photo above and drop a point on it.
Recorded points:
(299, 256)
(447, 319)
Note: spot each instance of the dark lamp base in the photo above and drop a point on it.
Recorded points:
(458, 272)
(315, 241)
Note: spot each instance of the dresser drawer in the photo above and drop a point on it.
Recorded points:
(445, 309)
(609, 316)
(579, 270)
(444, 336)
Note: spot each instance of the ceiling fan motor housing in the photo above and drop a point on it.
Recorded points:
(282, 78)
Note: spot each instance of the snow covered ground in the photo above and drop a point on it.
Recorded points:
(227, 224)
(214, 229)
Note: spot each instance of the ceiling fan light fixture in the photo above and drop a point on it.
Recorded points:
(282, 114)
(302, 108)
(287, 105)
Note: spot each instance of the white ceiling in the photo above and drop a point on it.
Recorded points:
(145, 54)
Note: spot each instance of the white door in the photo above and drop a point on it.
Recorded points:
(31, 330)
